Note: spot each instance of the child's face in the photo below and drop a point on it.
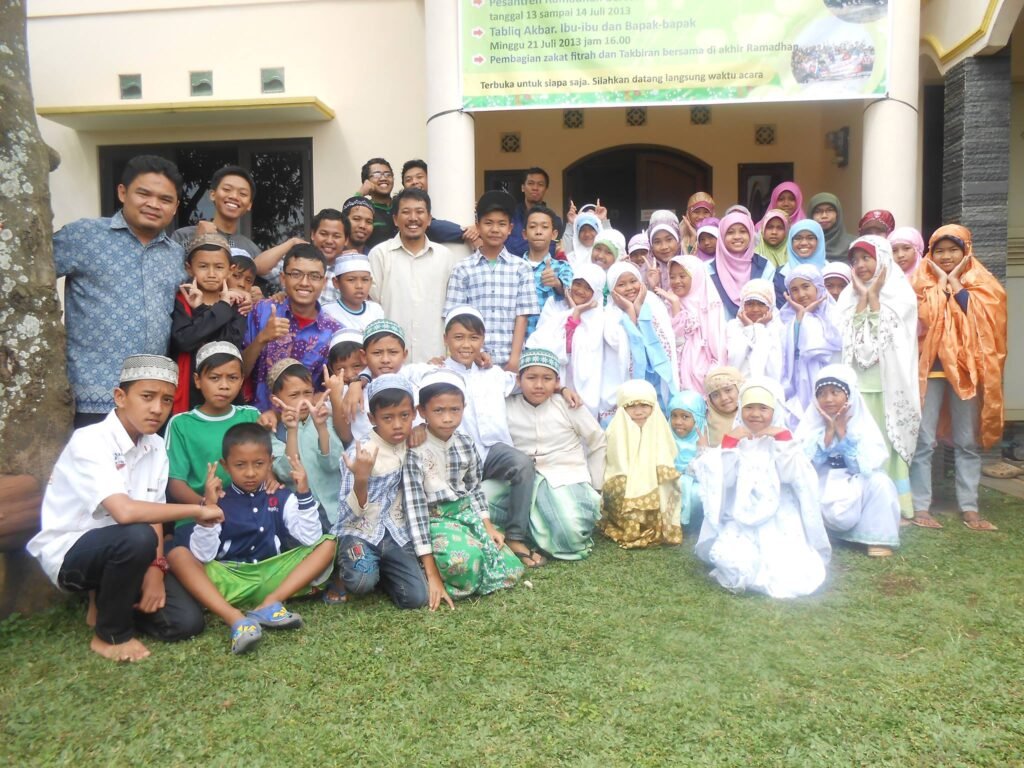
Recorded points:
(144, 406)
(303, 280)
(697, 215)
(639, 412)
(587, 235)
(904, 255)
(241, 279)
(947, 255)
(774, 232)
(248, 465)
(232, 198)
(385, 354)
(209, 269)
(443, 414)
(875, 227)
(682, 423)
(494, 228)
(755, 310)
(787, 203)
(804, 244)
(639, 258)
(349, 367)
(601, 256)
(757, 417)
(538, 383)
(540, 231)
(464, 344)
(831, 399)
(679, 280)
(707, 243)
(726, 399)
(835, 285)
(628, 286)
(664, 246)
(220, 385)
(354, 287)
(802, 291)
(863, 264)
(329, 237)
(580, 291)
(737, 238)
(394, 422)
(294, 391)
(826, 215)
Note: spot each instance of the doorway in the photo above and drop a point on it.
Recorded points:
(634, 180)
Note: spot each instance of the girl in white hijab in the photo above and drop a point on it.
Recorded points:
(878, 319)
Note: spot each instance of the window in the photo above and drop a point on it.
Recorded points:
(281, 168)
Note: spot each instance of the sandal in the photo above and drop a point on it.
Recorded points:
(976, 522)
(1001, 471)
(275, 616)
(879, 551)
(334, 595)
(530, 558)
(245, 635)
(925, 520)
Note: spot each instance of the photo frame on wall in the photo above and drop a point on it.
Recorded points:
(756, 182)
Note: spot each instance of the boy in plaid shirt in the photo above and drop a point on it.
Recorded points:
(496, 283)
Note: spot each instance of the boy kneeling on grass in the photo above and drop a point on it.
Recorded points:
(103, 514)
(238, 563)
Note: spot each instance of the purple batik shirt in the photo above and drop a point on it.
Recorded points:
(309, 345)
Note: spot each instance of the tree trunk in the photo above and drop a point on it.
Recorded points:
(35, 399)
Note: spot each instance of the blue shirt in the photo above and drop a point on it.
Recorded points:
(562, 271)
(310, 345)
(118, 300)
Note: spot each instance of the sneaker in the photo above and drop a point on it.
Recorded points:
(276, 616)
(245, 635)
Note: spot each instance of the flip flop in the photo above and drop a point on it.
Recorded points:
(530, 558)
(333, 595)
(926, 522)
(879, 551)
(979, 524)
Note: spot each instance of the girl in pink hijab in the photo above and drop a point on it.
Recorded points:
(788, 198)
(907, 248)
(735, 262)
(698, 320)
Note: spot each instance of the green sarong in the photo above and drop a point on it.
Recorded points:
(469, 562)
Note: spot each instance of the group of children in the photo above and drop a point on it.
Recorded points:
(710, 374)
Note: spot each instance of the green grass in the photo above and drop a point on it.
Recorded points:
(626, 659)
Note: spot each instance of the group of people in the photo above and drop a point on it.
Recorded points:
(400, 418)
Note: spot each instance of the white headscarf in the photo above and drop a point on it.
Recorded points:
(889, 341)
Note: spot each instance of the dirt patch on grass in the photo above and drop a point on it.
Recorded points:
(895, 585)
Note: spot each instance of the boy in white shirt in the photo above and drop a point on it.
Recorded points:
(352, 280)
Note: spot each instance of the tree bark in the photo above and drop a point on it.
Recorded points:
(35, 398)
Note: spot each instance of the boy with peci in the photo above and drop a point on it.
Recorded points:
(103, 514)
(499, 285)
(237, 563)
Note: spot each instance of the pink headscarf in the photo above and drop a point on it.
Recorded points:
(789, 186)
(733, 269)
(911, 237)
(701, 322)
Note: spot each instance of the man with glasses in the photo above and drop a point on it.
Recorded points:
(378, 181)
(295, 327)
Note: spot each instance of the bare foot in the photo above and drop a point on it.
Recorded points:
(132, 650)
(90, 612)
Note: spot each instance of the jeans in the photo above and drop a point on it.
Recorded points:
(394, 567)
(517, 469)
(113, 561)
(967, 460)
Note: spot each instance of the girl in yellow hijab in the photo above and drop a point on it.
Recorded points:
(641, 495)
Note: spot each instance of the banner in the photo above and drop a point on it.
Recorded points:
(523, 54)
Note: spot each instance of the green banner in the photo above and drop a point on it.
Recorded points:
(523, 54)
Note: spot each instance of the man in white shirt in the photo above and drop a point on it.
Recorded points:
(102, 515)
(410, 276)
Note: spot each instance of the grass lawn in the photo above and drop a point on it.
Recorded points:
(626, 659)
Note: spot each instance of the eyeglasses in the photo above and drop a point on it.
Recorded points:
(382, 175)
(298, 277)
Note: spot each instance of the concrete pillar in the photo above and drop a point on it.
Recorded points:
(891, 164)
(976, 152)
(451, 145)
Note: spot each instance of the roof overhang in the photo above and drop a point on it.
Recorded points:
(186, 114)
